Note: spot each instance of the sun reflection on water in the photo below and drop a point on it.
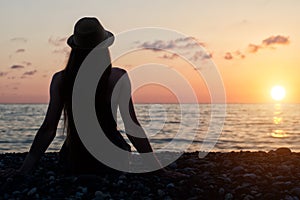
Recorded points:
(279, 134)
(277, 131)
(277, 120)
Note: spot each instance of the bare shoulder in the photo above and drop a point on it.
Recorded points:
(58, 75)
(118, 71)
(56, 81)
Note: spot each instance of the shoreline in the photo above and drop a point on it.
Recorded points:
(219, 175)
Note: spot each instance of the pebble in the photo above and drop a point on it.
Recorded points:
(248, 197)
(228, 196)
(237, 170)
(9, 179)
(269, 196)
(226, 179)
(283, 151)
(173, 165)
(16, 192)
(167, 198)
(79, 194)
(188, 169)
(221, 191)
(160, 193)
(296, 191)
(170, 185)
(140, 186)
(236, 175)
(135, 194)
(101, 195)
(84, 190)
(25, 190)
(227, 163)
(32, 191)
(122, 177)
(50, 173)
(288, 197)
(51, 178)
(284, 168)
(250, 175)
(253, 192)
(6, 196)
(120, 182)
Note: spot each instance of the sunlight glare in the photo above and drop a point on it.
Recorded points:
(278, 92)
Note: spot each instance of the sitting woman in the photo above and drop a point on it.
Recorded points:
(88, 34)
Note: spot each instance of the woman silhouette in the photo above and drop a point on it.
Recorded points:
(88, 33)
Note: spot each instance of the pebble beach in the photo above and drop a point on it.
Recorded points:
(232, 175)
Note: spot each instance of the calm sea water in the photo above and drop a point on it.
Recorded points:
(171, 127)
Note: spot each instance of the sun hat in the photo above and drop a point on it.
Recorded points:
(88, 33)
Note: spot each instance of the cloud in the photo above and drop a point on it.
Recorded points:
(228, 56)
(29, 73)
(179, 43)
(17, 67)
(279, 39)
(158, 45)
(27, 63)
(57, 41)
(201, 55)
(239, 54)
(185, 39)
(269, 42)
(2, 74)
(244, 21)
(170, 57)
(20, 50)
(233, 55)
(207, 56)
(190, 44)
(64, 50)
(18, 39)
(59, 44)
(253, 48)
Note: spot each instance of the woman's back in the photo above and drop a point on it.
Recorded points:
(73, 152)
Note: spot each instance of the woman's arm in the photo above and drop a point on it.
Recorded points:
(137, 135)
(133, 129)
(47, 131)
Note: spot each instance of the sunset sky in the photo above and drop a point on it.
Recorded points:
(255, 44)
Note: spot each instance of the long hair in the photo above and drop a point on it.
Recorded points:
(76, 58)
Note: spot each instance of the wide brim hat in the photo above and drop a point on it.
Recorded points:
(89, 33)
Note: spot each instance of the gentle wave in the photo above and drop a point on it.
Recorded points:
(254, 127)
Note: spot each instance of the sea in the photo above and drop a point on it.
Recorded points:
(174, 127)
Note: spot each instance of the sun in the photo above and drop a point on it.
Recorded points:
(278, 92)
